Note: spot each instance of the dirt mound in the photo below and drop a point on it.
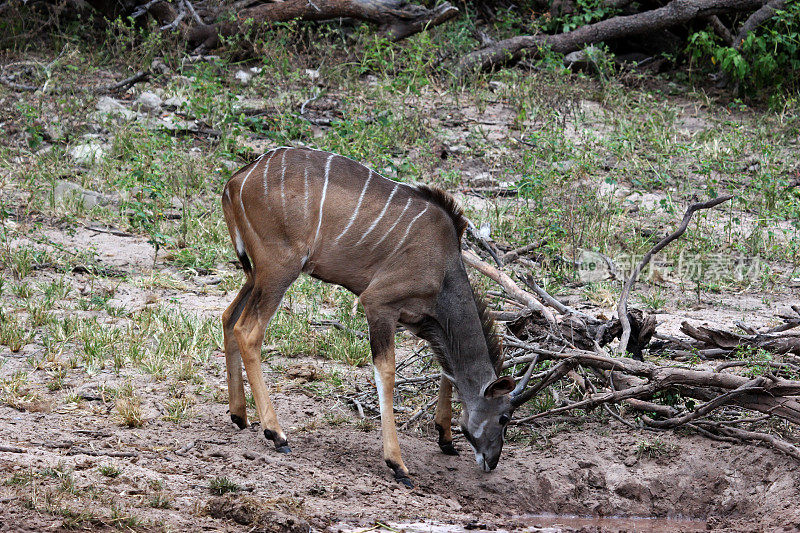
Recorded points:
(263, 515)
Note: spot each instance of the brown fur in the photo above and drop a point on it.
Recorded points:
(445, 200)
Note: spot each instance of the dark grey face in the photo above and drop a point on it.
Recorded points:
(484, 422)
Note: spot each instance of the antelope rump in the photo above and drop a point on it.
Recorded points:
(397, 247)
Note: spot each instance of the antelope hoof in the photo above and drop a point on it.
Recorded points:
(239, 421)
(281, 444)
(404, 480)
(448, 448)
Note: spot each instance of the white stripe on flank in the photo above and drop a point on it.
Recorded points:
(283, 175)
(305, 190)
(408, 229)
(324, 192)
(241, 189)
(266, 169)
(408, 203)
(358, 206)
(383, 212)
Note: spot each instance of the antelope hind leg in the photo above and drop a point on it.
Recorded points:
(443, 417)
(249, 332)
(381, 338)
(233, 359)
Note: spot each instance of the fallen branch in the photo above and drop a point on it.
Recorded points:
(766, 12)
(775, 442)
(673, 14)
(622, 308)
(508, 284)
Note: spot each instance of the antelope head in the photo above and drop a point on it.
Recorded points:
(484, 421)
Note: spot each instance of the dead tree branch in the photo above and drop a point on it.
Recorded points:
(755, 20)
(622, 308)
(508, 284)
(675, 13)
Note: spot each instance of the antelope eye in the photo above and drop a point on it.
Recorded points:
(504, 419)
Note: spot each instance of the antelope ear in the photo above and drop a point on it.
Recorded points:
(499, 387)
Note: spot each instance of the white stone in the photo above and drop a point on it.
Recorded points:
(594, 267)
(243, 77)
(107, 107)
(148, 102)
(88, 153)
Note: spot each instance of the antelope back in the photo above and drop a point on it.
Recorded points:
(339, 219)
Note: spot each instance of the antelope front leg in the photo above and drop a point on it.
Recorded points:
(249, 332)
(381, 338)
(444, 416)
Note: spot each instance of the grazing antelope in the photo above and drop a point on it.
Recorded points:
(397, 247)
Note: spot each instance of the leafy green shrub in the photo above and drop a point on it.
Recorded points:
(769, 56)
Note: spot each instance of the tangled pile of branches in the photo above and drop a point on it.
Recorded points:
(725, 397)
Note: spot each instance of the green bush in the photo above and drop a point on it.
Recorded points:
(769, 56)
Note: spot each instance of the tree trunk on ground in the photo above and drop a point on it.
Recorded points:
(675, 13)
(397, 19)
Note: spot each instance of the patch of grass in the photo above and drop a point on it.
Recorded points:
(13, 332)
(129, 411)
(109, 470)
(656, 448)
(223, 485)
(178, 409)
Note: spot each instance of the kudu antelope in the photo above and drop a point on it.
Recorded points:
(397, 247)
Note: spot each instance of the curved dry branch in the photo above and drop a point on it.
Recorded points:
(622, 308)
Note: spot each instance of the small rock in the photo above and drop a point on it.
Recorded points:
(630, 460)
(53, 132)
(175, 102)
(243, 77)
(148, 102)
(88, 153)
(250, 456)
(594, 267)
(107, 107)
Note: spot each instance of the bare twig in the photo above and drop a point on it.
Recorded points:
(775, 442)
(622, 308)
(421, 411)
(338, 325)
(508, 284)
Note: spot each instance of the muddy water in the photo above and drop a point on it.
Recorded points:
(544, 524)
(613, 524)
